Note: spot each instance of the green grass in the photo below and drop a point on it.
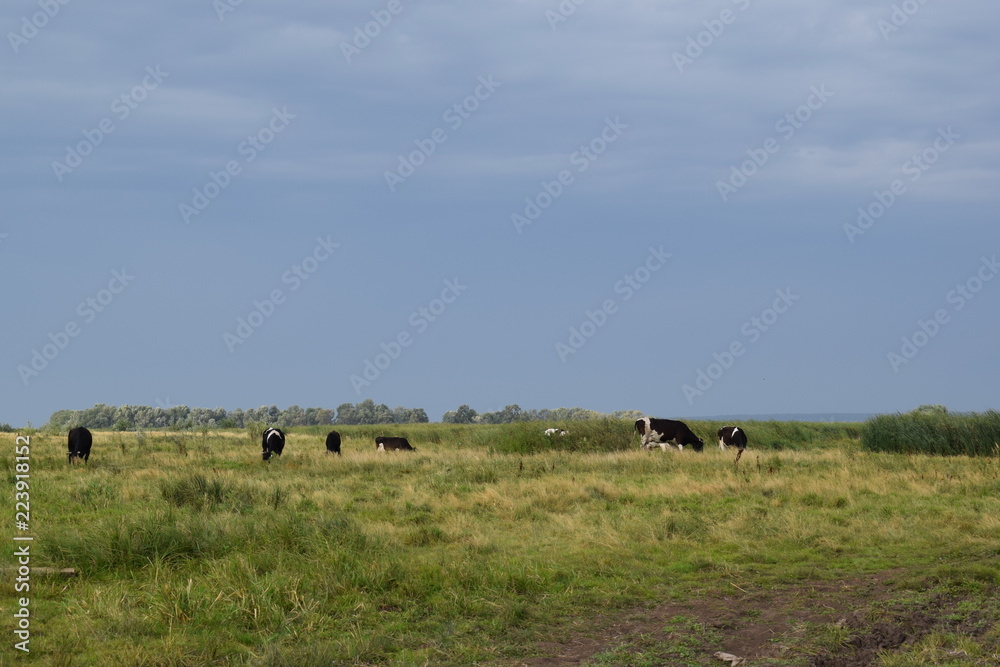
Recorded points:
(596, 435)
(471, 550)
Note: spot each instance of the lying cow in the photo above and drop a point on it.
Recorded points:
(80, 442)
(387, 444)
(555, 431)
(272, 442)
(665, 432)
(333, 443)
(733, 436)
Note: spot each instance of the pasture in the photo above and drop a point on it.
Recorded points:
(495, 545)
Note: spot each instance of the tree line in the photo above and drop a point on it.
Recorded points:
(513, 413)
(129, 417)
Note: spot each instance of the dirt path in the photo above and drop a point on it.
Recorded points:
(768, 627)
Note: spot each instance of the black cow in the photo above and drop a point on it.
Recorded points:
(665, 432)
(384, 444)
(272, 442)
(80, 442)
(333, 443)
(733, 436)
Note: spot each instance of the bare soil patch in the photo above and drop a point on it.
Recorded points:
(769, 627)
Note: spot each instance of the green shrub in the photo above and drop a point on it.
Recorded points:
(932, 432)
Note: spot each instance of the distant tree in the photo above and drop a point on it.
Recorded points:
(347, 414)
(201, 417)
(324, 417)
(463, 415)
(512, 413)
(177, 415)
(62, 420)
(381, 414)
(930, 410)
(571, 414)
(99, 416)
(509, 415)
(293, 415)
(309, 417)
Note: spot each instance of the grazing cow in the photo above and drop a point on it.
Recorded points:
(665, 432)
(555, 431)
(733, 436)
(272, 442)
(80, 441)
(384, 444)
(333, 443)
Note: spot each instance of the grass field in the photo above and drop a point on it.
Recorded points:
(489, 545)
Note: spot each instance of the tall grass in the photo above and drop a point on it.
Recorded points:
(973, 434)
(593, 435)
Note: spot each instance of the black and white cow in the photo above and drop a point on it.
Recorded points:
(272, 442)
(80, 442)
(733, 436)
(555, 431)
(333, 443)
(387, 444)
(665, 432)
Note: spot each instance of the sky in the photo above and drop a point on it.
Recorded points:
(687, 209)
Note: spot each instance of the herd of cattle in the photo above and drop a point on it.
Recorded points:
(652, 432)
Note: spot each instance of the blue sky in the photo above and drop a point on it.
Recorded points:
(680, 208)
